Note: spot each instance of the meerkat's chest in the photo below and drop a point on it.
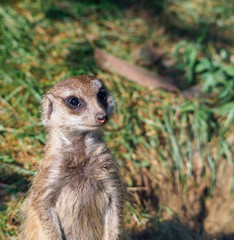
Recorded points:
(84, 184)
(83, 198)
(90, 175)
(83, 191)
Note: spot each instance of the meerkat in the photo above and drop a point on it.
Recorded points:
(77, 192)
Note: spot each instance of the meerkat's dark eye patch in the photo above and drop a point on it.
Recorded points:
(102, 95)
(73, 102)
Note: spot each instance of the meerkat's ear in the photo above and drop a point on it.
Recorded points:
(47, 108)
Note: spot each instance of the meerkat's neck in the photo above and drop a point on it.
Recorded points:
(85, 143)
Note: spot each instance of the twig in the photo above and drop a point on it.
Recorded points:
(135, 189)
(136, 74)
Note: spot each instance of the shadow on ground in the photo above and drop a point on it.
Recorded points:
(12, 185)
(175, 230)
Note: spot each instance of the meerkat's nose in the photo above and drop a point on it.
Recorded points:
(101, 118)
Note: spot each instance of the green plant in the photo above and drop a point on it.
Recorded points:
(215, 74)
(217, 77)
(186, 54)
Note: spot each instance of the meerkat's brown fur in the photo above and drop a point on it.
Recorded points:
(77, 193)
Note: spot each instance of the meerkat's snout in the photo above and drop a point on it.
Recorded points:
(101, 118)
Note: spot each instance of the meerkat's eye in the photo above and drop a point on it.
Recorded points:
(73, 102)
(102, 95)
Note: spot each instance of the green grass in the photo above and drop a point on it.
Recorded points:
(171, 146)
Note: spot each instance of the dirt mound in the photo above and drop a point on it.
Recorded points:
(176, 213)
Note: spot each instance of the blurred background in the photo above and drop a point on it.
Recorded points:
(175, 148)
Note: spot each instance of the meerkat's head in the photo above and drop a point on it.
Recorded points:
(77, 104)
